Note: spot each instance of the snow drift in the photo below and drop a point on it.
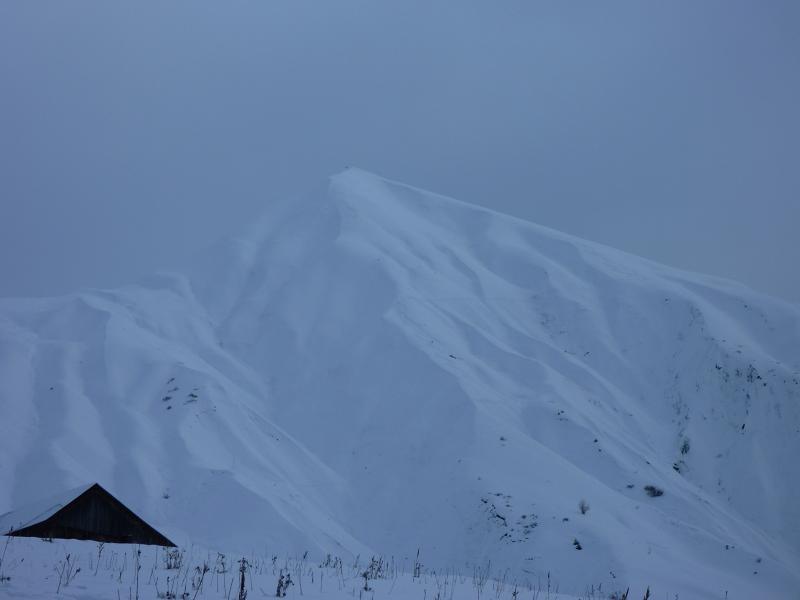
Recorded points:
(376, 369)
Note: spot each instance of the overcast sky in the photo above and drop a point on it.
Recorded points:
(133, 134)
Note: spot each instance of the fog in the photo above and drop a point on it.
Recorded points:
(134, 134)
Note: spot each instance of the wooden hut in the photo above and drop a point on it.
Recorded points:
(85, 513)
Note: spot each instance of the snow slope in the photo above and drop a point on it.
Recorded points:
(375, 368)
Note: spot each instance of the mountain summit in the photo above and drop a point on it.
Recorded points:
(377, 369)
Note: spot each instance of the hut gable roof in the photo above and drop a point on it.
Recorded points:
(39, 510)
(87, 512)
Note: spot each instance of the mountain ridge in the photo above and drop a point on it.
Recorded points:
(376, 368)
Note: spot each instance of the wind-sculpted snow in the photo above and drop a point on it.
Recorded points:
(375, 368)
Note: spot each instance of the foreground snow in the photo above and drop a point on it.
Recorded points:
(38, 569)
(376, 369)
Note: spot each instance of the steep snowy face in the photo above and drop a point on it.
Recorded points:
(375, 367)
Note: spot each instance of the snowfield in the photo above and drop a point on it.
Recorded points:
(90, 571)
(375, 369)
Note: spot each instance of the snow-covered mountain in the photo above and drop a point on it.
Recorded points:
(377, 369)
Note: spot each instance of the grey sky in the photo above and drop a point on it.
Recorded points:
(133, 134)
